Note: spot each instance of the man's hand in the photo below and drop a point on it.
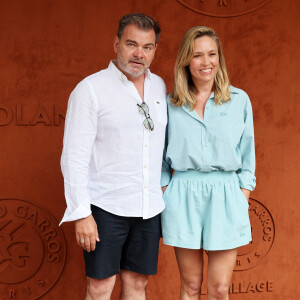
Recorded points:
(246, 193)
(86, 233)
(164, 188)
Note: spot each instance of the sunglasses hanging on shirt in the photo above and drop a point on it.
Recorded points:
(144, 110)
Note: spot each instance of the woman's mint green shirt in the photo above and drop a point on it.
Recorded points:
(222, 141)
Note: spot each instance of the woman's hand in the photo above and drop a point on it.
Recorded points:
(246, 193)
(164, 188)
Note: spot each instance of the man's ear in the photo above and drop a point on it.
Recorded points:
(116, 44)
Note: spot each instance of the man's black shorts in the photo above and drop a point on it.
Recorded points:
(128, 243)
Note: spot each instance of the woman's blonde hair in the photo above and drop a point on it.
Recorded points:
(184, 89)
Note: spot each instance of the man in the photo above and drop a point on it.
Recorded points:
(111, 163)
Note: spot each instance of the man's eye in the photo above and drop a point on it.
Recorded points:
(130, 44)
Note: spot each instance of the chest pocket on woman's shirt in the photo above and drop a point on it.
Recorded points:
(223, 128)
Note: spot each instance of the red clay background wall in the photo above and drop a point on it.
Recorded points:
(48, 46)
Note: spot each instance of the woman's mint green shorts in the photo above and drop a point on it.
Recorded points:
(205, 210)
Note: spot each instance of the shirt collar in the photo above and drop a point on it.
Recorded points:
(122, 77)
(232, 90)
(212, 95)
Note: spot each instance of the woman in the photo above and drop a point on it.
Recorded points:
(210, 146)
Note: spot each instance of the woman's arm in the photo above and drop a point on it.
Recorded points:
(245, 174)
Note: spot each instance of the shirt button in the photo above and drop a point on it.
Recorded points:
(145, 187)
(145, 145)
(145, 167)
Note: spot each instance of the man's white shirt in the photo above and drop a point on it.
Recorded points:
(109, 159)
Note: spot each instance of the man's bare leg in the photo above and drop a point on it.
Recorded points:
(100, 289)
(133, 285)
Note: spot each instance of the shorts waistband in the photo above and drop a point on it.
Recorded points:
(198, 175)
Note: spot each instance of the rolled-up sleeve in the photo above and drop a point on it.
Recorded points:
(166, 171)
(246, 175)
(165, 174)
(79, 137)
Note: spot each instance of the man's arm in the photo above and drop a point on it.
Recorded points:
(86, 233)
(79, 137)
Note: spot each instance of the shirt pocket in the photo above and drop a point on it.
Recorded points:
(160, 107)
(226, 129)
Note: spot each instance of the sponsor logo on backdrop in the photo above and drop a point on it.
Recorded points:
(263, 234)
(248, 287)
(32, 250)
(30, 115)
(223, 8)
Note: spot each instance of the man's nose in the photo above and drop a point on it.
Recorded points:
(138, 52)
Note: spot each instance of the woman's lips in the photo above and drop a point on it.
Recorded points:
(206, 71)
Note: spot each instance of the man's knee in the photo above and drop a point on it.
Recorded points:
(133, 280)
(100, 287)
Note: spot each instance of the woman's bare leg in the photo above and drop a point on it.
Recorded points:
(190, 263)
(219, 272)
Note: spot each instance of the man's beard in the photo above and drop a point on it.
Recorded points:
(126, 68)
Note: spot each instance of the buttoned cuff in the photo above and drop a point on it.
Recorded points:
(80, 212)
(247, 181)
(165, 178)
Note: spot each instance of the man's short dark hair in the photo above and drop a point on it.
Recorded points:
(142, 21)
